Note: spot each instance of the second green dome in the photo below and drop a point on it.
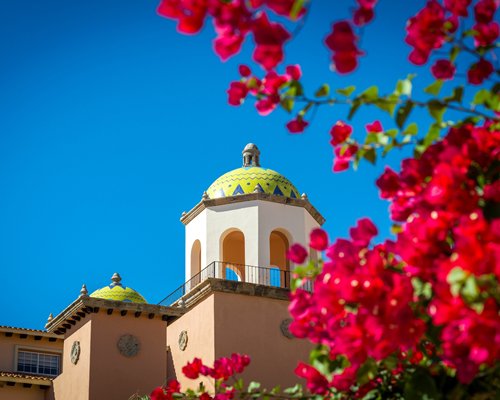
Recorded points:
(116, 291)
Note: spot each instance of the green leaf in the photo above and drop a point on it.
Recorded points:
(404, 87)
(421, 386)
(431, 136)
(297, 88)
(369, 95)
(370, 155)
(287, 104)
(455, 50)
(470, 289)
(323, 91)
(412, 129)
(387, 104)
(481, 97)
(456, 96)
(436, 109)
(253, 386)
(403, 113)
(296, 7)
(392, 133)
(366, 372)
(354, 107)
(456, 275)
(346, 91)
(434, 88)
(293, 390)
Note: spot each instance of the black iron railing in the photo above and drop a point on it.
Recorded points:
(268, 276)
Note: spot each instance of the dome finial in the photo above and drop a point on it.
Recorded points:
(251, 155)
(116, 278)
(83, 291)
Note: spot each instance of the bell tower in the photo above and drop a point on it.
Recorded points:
(244, 223)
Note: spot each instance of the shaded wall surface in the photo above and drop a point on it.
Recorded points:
(226, 323)
(19, 392)
(103, 372)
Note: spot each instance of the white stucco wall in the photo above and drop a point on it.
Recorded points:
(256, 219)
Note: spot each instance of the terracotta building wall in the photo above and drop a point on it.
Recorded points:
(74, 382)
(114, 376)
(199, 325)
(251, 325)
(18, 392)
(8, 348)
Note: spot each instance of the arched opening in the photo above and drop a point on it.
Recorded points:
(196, 262)
(280, 265)
(233, 256)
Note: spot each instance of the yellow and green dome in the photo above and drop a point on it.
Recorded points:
(247, 180)
(252, 178)
(116, 291)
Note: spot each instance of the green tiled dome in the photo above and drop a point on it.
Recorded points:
(116, 291)
(252, 178)
(247, 180)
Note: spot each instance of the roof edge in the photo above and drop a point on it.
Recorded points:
(85, 305)
(205, 203)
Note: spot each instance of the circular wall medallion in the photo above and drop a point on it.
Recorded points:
(183, 340)
(75, 352)
(285, 328)
(128, 345)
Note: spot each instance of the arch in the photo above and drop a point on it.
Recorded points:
(278, 245)
(196, 259)
(232, 251)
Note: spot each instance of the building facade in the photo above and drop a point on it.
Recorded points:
(111, 343)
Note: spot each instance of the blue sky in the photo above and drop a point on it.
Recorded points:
(112, 124)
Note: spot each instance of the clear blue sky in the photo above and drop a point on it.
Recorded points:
(112, 124)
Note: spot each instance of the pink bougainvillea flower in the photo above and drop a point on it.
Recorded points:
(425, 32)
(297, 125)
(159, 394)
(316, 382)
(318, 239)
(294, 72)
(297, 253)
(340, 132)
(240, 361)
(228, 45)
(374, 127)
(457, 7)
(166, 392)
(363, 233)
(266, 105)
(343, 156)
(189, 15)
(443, 69)
(479, 71)
(237, 93)
(342, 37)
(362, 16)
(269, 40)
(484, 10)
(485, 34)
(192, 370)
(342, 42)
(244, 70)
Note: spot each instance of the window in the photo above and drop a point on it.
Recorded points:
(38, 363)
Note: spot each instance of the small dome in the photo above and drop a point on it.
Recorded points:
(252, 178)
(116, 291)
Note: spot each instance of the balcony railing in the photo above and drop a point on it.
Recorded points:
(267, 276)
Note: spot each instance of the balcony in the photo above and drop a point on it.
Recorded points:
(267, 276)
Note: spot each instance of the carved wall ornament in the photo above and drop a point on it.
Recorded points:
(183, 340)
(128, 345)
(285, 328)
(75, 352)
